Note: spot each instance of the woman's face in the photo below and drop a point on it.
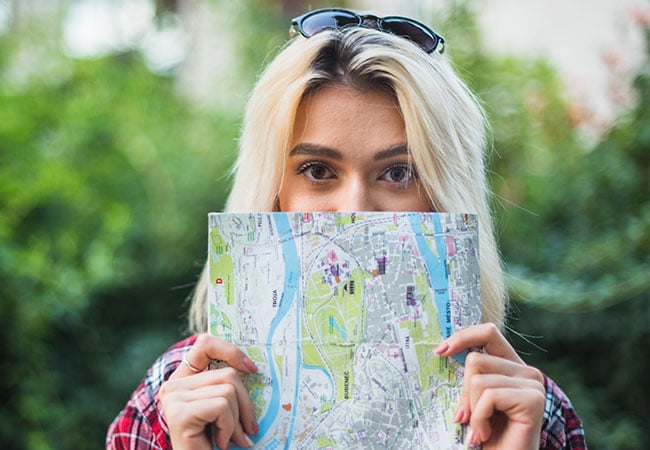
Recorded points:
(349, 153)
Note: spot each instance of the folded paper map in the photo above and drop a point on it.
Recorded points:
(341, 312)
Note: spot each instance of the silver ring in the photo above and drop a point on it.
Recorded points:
(190, 366)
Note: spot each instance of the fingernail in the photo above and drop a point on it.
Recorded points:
(474, 438)
(256, 427)
(440, 349)
(250, 365)
(459, 415)
(249, 442)
(469, 437)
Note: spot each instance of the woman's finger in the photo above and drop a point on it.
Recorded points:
(478, 365)
(523, 409)
(482, 371)
(225, 421)
(499, 358)
(190, 386)
(227, 425)
(192, 410)
(486, 335)
(207, 348)
(187, 420)
(482, 382)
(246, 409)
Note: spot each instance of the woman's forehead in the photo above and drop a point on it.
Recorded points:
(341, 116)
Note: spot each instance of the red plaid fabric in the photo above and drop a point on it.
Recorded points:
(561, 428)
(141, 426)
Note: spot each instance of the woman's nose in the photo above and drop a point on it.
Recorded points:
(356, 195)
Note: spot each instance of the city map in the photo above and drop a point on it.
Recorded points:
(340, 312)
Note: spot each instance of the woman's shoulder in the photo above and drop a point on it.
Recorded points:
(140, 424)
(167, 362)
(561, 428)
(174, 354)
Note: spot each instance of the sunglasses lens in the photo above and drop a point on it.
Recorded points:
(411, 31)
(324, 20)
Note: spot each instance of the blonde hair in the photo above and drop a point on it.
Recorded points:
(445, 128)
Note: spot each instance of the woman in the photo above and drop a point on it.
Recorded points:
(358, 113)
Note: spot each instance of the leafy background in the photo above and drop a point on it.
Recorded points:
(107, 172)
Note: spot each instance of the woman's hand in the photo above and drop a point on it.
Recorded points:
(194, 398)
(502, 398)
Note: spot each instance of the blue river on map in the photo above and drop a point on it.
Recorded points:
(437, 268)
(290, 293)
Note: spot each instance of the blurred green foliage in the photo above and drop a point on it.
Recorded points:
(106, 179)
(106, 176)
(574, 223)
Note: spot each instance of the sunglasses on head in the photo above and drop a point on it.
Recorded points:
(316, 21)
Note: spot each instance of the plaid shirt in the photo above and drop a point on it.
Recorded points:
(141, 426)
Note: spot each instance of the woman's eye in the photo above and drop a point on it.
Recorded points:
(315, 171)
(398, 174)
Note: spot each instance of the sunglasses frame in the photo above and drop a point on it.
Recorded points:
(362, 21)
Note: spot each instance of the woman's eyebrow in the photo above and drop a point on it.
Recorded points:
(395, 150)
(316, 150)
(321, 150)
